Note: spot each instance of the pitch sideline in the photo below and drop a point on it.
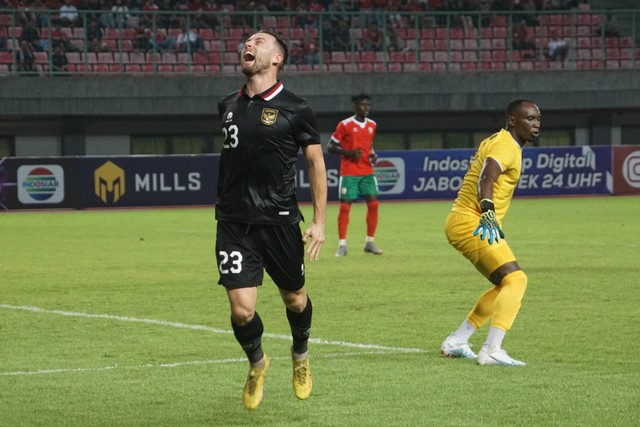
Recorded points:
(373, 348)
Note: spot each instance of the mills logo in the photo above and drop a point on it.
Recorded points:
(40, 184)
(109, 178)
(389, 172)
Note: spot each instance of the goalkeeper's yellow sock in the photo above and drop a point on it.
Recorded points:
(509, 299)
(483, 310)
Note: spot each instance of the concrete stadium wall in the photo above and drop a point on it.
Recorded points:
(98, 115)
(403, 92)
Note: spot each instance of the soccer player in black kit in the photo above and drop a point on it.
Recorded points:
(265, 126)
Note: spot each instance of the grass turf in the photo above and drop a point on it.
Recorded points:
(114, 318)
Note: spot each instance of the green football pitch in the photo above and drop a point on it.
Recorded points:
(114, 318)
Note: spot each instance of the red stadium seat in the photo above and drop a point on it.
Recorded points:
(440, 56)
(409, 67)
(426, 57)
(338, 57)
(365, 67)
(427, 44)
(133, 68)
(428, 33)
(395, 67)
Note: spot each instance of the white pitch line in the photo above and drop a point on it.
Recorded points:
(201, 328)
(181, 364)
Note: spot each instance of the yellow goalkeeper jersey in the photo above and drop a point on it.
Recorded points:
(503, 148)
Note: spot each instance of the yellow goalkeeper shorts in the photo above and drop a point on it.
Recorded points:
(486, 258)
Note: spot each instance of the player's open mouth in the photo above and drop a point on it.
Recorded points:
(248, 56)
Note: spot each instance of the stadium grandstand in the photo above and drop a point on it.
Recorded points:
(413, 36)
(144, 77)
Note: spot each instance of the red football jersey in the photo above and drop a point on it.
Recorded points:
(352, 134)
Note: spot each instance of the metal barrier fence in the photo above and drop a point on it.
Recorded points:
(207, 43)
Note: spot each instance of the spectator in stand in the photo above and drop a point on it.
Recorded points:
(610, 26)
(59, 62)
(105, 16)
(141, 39)
(460, 19)
(520, 38)
(557, 48)
(120, 12)
(59, 38)
(296, 54)
(149, 16)
(92, 7)
(4, 41)
(31, 35)
(69, 14)
(484, 6)
(188, 41)
(23, 14)
(161, 42)
(275, 5)
(42, 19)
(328, 35)
(200, 8)
(311, 52)
(373, 38)
(93, 37)
(314, 6)
(339, 10)
(342, 37)
(394, 42)
(302, 19)
(26, 59)
(212, 15)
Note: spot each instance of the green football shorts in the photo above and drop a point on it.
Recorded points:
(351, 187)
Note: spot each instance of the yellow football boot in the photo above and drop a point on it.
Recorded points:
(253, 388)
(302, 382)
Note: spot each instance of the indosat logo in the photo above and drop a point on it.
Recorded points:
(109, 179)
(40, 184)
(389, 172)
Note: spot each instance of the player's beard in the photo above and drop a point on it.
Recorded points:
(259, 64)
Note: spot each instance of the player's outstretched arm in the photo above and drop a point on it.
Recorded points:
(314, 235)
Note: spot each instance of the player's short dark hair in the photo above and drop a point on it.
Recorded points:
(359, 97)
(283, 45)
(514, 105)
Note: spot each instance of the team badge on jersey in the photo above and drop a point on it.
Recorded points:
(269, 116)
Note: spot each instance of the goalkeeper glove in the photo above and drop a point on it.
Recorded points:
(488, 223)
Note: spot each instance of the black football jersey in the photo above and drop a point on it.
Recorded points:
(263, 136)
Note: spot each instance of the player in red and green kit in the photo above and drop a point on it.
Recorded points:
(353, 141)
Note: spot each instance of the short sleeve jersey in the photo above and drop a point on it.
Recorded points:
(503, 148)
(352, 134)
(263, 135)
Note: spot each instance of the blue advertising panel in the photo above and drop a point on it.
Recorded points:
(36, 183)
(82, 182)
(438, 174)
(570, 170)
(147, 180)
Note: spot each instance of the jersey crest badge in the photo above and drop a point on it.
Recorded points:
(269, 116)
(229, 117)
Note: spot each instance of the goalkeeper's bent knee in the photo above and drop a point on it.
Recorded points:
(509, 300)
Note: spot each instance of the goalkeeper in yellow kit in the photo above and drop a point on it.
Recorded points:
(473, 227)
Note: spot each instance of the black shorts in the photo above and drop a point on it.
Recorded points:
(244, 251)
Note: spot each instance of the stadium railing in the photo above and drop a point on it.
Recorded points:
(411, 42)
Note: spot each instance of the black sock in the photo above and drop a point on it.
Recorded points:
(250, 338)
(300, 327)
